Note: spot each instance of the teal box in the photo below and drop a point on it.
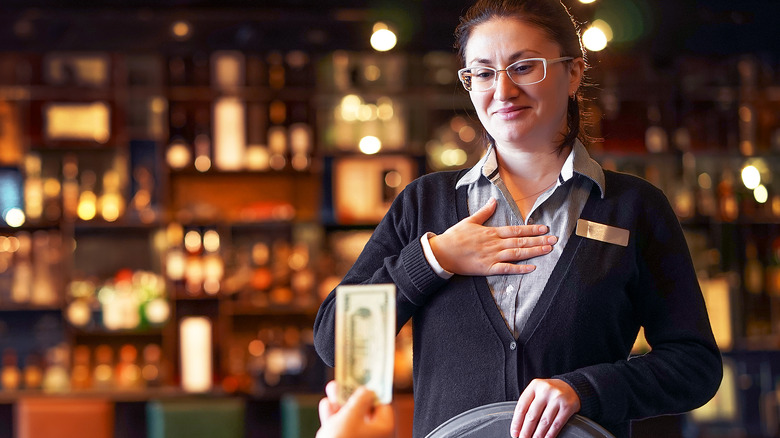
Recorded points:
(196, 418)
(300, 418)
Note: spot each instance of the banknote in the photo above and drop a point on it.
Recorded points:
(365, 339)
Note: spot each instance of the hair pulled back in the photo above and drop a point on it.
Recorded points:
(553, 18)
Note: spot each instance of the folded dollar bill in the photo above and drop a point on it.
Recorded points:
(365, 339)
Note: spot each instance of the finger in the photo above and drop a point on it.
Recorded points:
(532, 418)
(331, 390)
(521, 408)
(521, 230)
(546, 421)
(326, 409)
(510, 269)
(528, 242)
(517, 254)
(360, 402)
(484, 213)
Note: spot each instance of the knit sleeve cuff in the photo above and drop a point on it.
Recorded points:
(421, 275)
(590, 406)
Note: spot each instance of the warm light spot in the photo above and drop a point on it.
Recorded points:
(384, 108)
(705, 181)
(192, 241)
(181, 30)
(594, 39)
(14, 217)
(393, 179)
(751, 177)
(383, 40)
(467, 134)
(202, 163)
(178, 155)
(605, 28)
(761, 194)
(370, 145)
(211, 241)
(350, 107)
(453, 157)
(372, 73)
(87, 208)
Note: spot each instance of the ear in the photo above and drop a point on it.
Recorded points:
(576, 73)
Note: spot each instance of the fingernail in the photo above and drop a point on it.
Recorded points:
(542, 228)
(552, 239)
(547, 248)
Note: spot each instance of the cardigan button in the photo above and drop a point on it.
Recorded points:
(512, 345)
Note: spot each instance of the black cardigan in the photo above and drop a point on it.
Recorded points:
(581, 330)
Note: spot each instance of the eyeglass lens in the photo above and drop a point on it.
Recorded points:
(523, 72)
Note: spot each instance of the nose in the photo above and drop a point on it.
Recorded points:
(505, 88)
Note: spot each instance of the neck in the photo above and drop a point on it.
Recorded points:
(532, 169)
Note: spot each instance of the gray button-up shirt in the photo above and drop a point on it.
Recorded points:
(559, 208)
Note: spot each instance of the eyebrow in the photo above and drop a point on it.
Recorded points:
(514, 57)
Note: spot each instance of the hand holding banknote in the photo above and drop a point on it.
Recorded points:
(358, 418)
(365, 340)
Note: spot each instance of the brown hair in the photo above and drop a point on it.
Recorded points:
(552, 17)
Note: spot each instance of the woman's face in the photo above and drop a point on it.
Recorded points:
(521, 115)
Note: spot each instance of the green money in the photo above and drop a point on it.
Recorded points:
(365, 339)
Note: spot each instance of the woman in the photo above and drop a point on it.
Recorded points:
(555, 336)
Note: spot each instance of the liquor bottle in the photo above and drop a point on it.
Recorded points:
(103, 374)
(728, 206)
(152, 372)
(773, 284)
(228, 70)
(261, 278)
(177, 71)
(33, 187)
(193, 270)
(754, 270)
(773, 269)
(195, 348)
(33, 372)
(87, 205)
(277, 134)
(229, 133)
(21, 284)
(128, 373)
(276, 71)
(70, 186)
(81, 373)
(213, 265)
(111, 203)
(656, 138)
(10, 376)
(43, 287)
(301, 137)
(257, 155)
(55, 377)
(299, 72)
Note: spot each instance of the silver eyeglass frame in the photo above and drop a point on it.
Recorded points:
(464, 74)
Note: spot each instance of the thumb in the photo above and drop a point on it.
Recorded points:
(484, 213)
(360, 402)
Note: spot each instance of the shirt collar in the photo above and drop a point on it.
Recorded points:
(578, 161)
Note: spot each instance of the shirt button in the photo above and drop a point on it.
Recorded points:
(512, 345)
(530, 221)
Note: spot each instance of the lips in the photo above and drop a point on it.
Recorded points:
(510, 112)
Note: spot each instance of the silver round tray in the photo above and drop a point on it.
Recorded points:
(493, 420)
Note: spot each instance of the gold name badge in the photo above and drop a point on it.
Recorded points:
(601, 232)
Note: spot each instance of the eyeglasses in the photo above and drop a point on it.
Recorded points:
(523, 72)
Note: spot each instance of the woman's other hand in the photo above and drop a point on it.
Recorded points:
(470, 248)
(544, 407)
(358, 418)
